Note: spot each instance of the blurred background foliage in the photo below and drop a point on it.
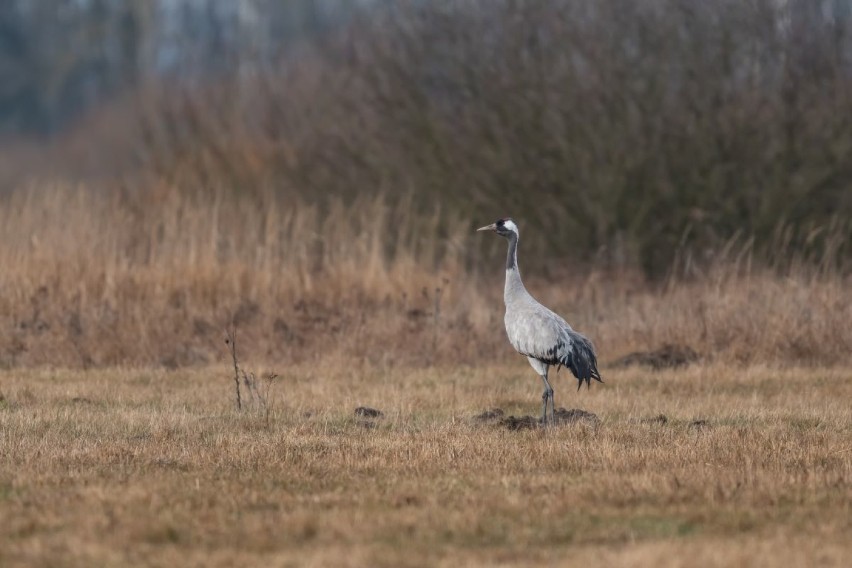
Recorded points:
(656, 135)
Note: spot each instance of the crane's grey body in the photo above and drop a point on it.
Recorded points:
(537, 332)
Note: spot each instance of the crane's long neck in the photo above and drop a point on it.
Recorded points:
(514, 287)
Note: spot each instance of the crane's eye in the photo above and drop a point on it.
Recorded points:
(500, 223)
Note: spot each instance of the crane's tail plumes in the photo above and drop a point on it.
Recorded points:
(582, 361)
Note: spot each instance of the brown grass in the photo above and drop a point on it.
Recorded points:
(154, 278)
(156, 468)
(325, 209)
(110, 458)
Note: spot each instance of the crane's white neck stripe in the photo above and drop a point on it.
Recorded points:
(511, 226)
(512, 256)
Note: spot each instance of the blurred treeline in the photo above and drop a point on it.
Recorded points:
(657, 134)
(60, 57)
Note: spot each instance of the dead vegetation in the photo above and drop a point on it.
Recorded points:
(329, 218)
(155, 467)
(561, 417)
(258, 387)
(654, 132)
(139, 456)
(666, 357)
(90, 280)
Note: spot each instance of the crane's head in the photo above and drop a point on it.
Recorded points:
(504, 227)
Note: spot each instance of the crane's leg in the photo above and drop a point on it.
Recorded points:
(541, 369)
(552, 405)
(545, 397)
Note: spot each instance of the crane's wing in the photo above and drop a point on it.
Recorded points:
(540, 333)
(579, 356)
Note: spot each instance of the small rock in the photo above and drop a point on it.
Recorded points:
(368, 412)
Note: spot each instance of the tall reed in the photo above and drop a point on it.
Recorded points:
(101, 279)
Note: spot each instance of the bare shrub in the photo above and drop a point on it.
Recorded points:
(259, 394)
(631, 134)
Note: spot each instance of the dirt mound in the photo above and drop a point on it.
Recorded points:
(490, 415)
(668, 356)
(560, 416)
(520, 422)
(696, 425)
(366, 416)
(367, 412)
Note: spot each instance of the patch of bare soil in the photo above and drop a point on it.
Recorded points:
(367, 412)
(490, 415)
(366, 416)
(575, 415)
(560, 417)
(668, 356)
(520, 422)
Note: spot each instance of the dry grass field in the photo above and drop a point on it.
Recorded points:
(173, 171)
(121, 467)
(120, 443)
(153, 279)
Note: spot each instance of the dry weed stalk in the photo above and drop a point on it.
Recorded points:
(231, 342)
(260, 396)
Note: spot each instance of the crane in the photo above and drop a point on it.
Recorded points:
(538, 333)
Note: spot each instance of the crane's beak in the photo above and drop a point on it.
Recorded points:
(491, 227)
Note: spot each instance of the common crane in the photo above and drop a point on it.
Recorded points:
(536, 332)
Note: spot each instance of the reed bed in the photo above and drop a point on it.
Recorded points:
(103, 279)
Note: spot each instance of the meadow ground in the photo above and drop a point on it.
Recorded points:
(116, 467)
(327, 208)
(120, 443)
